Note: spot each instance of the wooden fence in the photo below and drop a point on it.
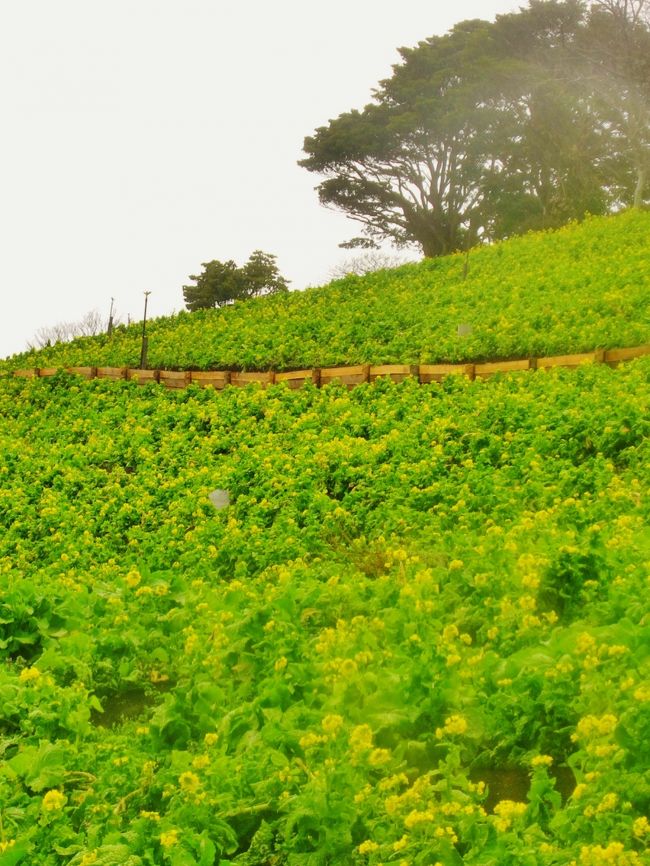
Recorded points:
(349, 376)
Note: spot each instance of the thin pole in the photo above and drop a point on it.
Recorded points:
(110, 319)
(143, 353)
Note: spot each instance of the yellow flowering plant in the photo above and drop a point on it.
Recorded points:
(457, 581)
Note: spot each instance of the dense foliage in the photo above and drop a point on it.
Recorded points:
(497, 128)
(577, 289)
(222, 283)
(418, 634)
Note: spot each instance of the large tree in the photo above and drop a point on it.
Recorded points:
(614, 57)
(222, 283)
(551, 157)
(489, 130)
(408, 166)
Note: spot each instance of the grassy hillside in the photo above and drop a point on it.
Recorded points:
(420, 623)
(586, 286)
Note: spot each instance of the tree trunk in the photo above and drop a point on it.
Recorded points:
(639, 190)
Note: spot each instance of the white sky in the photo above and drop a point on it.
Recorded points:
(143, 137)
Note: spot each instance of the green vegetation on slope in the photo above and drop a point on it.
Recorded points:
(414, 589)
(584, 287)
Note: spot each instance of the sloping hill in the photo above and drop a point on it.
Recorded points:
(418, 633)
(584, 287)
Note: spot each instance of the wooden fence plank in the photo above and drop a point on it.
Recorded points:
(143, 377)
(437, 372)
(349, 376)
(614, 357)
(174, 378)
(571, 361)
(84, 372)
(396, 372)
(484, 371)
(297, 378)
(217, 379)
(112, 372)
(240, 380)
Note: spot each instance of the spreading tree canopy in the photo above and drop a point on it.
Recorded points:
(496, 128)
(224, 282)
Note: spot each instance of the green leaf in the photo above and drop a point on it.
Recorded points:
(15, 854)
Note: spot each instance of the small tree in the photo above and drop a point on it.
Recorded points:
(88, 326)
(367, 263)
(223, 283)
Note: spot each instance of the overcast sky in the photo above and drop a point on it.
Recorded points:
(143, 137)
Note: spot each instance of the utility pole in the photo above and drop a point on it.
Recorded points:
(109, 329)
(143, 352)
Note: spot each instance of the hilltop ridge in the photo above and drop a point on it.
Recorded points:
(581, 287)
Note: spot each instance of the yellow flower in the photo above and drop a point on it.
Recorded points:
(368, 847)
(200, 762)
(169, 838)
(280, 664)
(393, 782)
(151, 816)
(348, 667)
(595, 726)
(189, 782)
(54, 800)
(379, 757)
(449, 632)
(541, 761)
(88, 859)
(608, 803)
(6, 845)
(361, 737)
(418, 817)
(29, 674)
(603, 750)
(310, 740)
(642, 694)
(641, 827)
(453, 725)
(332, 723)
(148, 769)
(133, 578)
(585, 643)
(613, 854)
(401, 844)
(363, 794)
(210, 739)
(505, 812)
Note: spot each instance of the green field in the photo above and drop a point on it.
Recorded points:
(419, 634)
(583, 287)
